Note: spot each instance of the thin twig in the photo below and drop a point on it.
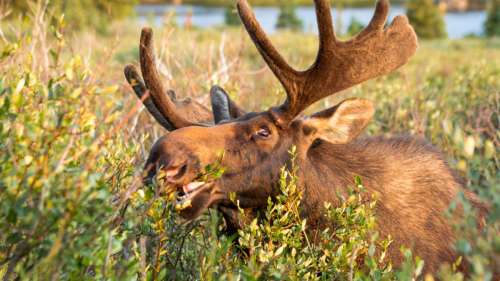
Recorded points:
(142, 246)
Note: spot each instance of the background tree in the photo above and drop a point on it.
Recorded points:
(81, 13)
(426, 19)
(492, 24)
(231, 16)
(355, 27)
(288, 17)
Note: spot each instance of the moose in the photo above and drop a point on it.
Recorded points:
(413, 183)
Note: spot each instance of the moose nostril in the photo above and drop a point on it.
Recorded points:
(176, 172)
(182, 171)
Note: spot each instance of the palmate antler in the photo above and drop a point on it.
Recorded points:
(339, 65)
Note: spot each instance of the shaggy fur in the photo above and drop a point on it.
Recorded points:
(412, 183)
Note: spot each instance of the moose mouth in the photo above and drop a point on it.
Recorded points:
(188, 191)
(193, 198)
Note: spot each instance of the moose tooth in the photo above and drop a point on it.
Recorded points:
(181, 198)
(183, 205)
(192, 186)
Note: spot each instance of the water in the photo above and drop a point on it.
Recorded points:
(458, 25)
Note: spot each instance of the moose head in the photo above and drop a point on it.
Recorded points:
(252, 147)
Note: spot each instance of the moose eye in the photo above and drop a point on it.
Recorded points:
(263, 132)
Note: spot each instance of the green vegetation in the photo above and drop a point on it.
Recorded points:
(73, 140)
(231, 17)
(288, 18)
(426, 19)
(278, 246)
(492, 24)
(78, 13)
(354, 27)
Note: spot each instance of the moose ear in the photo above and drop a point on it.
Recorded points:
(223, 107)
(342, 123)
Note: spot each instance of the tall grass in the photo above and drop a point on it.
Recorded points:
(73, 139)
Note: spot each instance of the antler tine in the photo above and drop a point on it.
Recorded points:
(325, 23)
(153, 82)
(140, 90)
(379, 18)
(339, 64)
(283, 71)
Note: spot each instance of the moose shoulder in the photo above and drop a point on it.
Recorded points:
(412, 182)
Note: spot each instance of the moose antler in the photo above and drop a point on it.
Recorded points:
(339, 65)
(142, 93)
(163, 105)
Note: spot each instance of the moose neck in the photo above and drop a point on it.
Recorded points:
(328, 170)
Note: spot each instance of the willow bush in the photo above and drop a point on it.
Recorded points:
(276, 245)
(59, 168)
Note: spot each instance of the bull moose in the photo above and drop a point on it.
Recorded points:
(413, 182)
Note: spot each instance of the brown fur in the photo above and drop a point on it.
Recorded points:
(412, 182)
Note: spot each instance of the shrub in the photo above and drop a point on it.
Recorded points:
(276, 245)
(280, 245)
(59, 170)
(426, 19)
(492, 24)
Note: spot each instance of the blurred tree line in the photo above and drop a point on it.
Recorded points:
(78, 13)
(358, 3)
(426, 18)
(287, 18)
(492, 24)
(424, 15)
